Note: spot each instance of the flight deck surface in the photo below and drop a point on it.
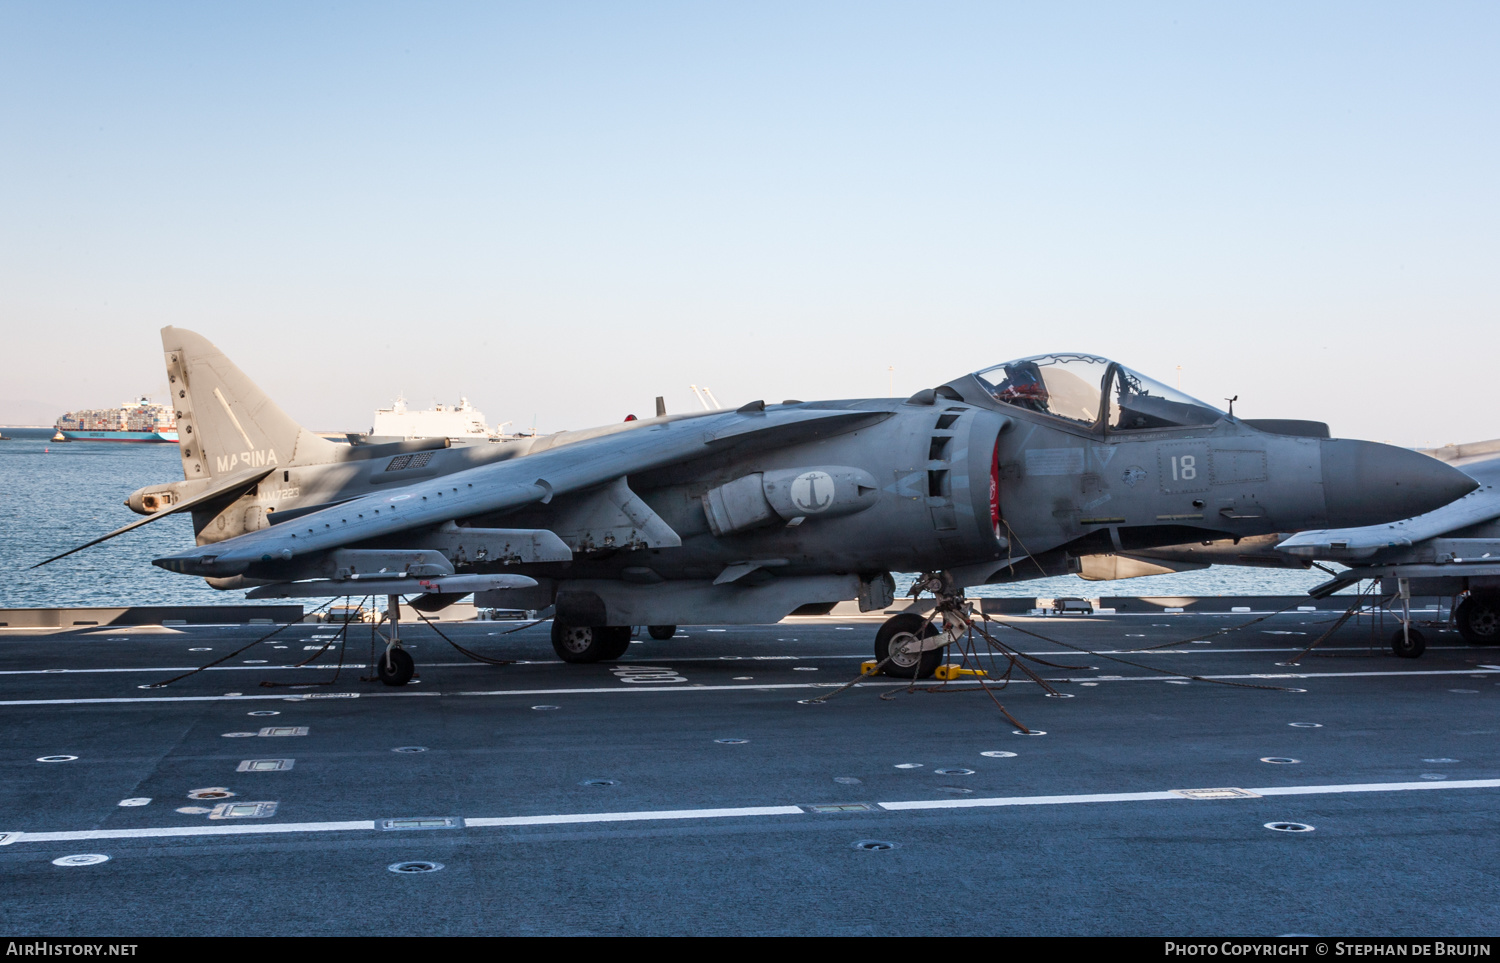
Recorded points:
(689, 788)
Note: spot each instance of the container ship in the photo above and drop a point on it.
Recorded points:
(142, 421)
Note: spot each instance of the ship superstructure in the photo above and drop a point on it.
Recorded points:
(133, 421)
(461, 424)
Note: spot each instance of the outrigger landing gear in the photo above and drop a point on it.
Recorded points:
(908, 646)
(589, 643)
(1407, 643)
(662, 632)
(394, 666)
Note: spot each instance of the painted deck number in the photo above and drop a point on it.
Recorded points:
(646, 674)
(283, 731)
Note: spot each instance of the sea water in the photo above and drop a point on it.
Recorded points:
(58, 495)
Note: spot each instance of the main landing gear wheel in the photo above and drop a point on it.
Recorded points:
(662, 632)
(616, 640)
(1478, 619)
(589, 643)
(898, 641)
(1408, 644)
(394, 667)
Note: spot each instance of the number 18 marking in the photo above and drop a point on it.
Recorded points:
(1184, 467)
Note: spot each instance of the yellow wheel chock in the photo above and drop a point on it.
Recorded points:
(950, 672)
(947, 673)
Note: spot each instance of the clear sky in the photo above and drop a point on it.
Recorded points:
(565, 209)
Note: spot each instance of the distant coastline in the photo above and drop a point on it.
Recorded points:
(27, 431)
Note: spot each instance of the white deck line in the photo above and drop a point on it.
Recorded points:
(209, 830)
(644, 815)
(658, 815)
(1151, 796)
(1265, 677)
(666, 660)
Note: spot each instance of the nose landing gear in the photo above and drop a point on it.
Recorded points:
(1407, 643)
(908, 646)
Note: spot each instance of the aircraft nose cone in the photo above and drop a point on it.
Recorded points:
(1365, 483)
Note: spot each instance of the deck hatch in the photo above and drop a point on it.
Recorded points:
(266, 765)
(858, 807)
(1225, 793)
(420, 822)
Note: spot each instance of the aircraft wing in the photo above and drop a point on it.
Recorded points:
(1351, 545)
(508, 485)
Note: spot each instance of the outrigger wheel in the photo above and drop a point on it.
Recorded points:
(898, 641)
(589, 643)
(662, 632)
(1478, 619)
(1408, 643)
(394, 667)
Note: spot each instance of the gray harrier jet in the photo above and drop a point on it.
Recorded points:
(746, 515)
(1454, 550)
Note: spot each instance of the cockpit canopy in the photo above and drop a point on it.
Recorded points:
(1084, 389)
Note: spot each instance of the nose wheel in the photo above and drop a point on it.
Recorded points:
(899, 650)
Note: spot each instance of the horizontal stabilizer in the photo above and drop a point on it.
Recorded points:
(229, 489)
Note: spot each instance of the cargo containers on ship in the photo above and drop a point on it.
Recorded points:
(142, 421)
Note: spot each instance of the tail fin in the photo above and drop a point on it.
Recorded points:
(225, 424)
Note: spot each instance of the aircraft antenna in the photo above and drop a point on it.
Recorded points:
(711, 397)
(699, 396)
